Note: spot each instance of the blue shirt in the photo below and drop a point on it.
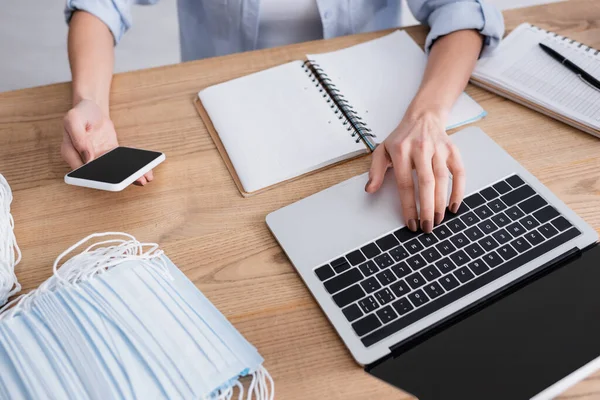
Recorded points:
(217, 27)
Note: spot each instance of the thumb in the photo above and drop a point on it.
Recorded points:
(379, 164)
(76, 127)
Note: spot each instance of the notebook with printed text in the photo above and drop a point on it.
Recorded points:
(521, 71)
(284, 122)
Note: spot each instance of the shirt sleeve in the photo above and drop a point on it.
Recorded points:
(447, 16)
(116, 14)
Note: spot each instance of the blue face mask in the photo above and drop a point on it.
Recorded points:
(123, 323)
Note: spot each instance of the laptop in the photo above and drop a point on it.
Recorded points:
(455, 313)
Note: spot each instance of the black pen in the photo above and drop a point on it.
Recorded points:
(584, 76)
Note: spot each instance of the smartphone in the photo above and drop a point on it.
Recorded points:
(115, 170)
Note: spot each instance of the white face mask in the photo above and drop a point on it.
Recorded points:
(119, 322)
(10, 255)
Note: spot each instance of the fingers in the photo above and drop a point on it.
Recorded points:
(440, 171)
(403, 173)
(379, 165)
(149, 176)
(457, 169)
(75, 127)
(423, 159)
(70, 155)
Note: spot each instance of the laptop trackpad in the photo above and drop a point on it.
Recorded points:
(512, 349)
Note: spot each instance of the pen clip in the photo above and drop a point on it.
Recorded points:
(587, 83)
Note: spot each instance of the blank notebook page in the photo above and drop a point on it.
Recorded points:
(379, 79)
(520, 66)
(276, 125)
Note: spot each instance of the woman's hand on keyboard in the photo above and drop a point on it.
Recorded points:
(420, 142)
(89, 133)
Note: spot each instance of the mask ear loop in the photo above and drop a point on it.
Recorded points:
(10, 254)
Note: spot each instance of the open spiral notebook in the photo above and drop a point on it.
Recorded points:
(299, 117)
(521, 71)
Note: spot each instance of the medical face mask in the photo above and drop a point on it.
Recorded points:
(120, 321)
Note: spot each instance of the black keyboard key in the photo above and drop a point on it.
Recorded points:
(463, 208)
(445, 265)
(507, 252)
(418, 298)
(387, 242)
(431, 255)
(368, 268)
(427, 240)
(489, 193)
(414, 246)
(387, 314)
(370, 250)
(502, 236)
(459, 258)
(445, 247)
(442, 232)
(515, 181)
(343, 280)
(517, 195)
(464, 274)
(474, 200)
(514, 213)
(449, 282)
(497, 205)
(415, 280)
(404, 234)
(368, 304)
(401, 270)
(534, 237)
(546, 214)
(474, 250)
(520, 244)
(533, 203)
(416, 262)
(468, 287)
(383, 261)
(399, 253)
(456, 225)
(403, 306)
(502, 187)
(339, 261)
(561, 224)
(515, 229)
(431, 273)
(384, 296)
(459, 240)
(352, 312)
(400, 288)
(347, 296)
(370, 285)
(324, 272)
(340, 266)
(478, 267)
(355, 257)
(386, 277)
(487, 226)
(433, 290)
(488, 243)
(366, 325)
(529, 222)
(548, 230)
(492, 259)
(501, 220)
(470, 218)
(483, 212)
(474, 233)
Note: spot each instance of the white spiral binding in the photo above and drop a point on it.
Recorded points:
(10, 254)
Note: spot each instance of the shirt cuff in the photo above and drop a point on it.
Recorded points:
(458, 16)
(103, 10)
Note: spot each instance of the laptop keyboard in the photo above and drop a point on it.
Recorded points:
(402, 277)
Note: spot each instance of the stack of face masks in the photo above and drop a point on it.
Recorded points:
(120, 321)
(10, 255)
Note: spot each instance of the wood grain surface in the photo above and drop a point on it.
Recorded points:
(218, 238)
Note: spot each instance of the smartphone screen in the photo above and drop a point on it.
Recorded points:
(116, 165)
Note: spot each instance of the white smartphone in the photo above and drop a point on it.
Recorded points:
(115, 170)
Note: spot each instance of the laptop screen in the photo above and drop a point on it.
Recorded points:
(513, 348)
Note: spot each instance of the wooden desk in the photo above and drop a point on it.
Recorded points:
(219, 239)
